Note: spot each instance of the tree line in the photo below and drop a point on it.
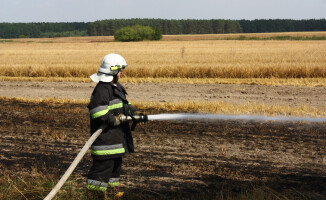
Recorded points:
(166, 26)
(37, 30)
(282, 25)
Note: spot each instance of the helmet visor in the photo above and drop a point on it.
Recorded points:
(118, 67)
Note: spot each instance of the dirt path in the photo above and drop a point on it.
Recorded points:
(168, 92)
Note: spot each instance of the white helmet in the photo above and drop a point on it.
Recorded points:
(111, 64)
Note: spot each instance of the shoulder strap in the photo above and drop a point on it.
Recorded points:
(120, 92)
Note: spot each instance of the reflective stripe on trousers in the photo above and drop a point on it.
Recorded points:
(96, 185)
(102, 150)
(102, 186)
(114, 182)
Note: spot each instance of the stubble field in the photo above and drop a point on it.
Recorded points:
(233, 159)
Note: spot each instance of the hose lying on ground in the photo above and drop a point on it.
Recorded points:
(75, 163)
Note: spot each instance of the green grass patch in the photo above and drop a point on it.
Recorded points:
(37, 187)
(6, 41)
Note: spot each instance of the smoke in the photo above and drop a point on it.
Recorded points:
(188, 116)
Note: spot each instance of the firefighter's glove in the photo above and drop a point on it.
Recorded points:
(117, 121)
(132, 110)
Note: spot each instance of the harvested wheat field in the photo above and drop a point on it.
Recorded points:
(44, 121)
(199, 59)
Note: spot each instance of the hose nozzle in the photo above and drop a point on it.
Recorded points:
(136, 118)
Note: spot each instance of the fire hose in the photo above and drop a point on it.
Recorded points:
(123, 119)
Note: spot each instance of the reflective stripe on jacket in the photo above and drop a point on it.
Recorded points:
(102, 110)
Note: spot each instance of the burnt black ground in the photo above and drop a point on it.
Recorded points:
(180, 160)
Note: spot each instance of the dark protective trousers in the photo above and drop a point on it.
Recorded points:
(105, 171)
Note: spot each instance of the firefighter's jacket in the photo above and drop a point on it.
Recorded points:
(107, 102)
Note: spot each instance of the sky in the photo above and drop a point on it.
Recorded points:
(92, 10)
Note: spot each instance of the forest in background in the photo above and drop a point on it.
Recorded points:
(167, 26)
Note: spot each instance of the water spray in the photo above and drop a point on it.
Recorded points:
(205, 117)
(178, 116)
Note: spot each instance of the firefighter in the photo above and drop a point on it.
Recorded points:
(108, 101)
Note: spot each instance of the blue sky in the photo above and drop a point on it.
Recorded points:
(87, 10)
